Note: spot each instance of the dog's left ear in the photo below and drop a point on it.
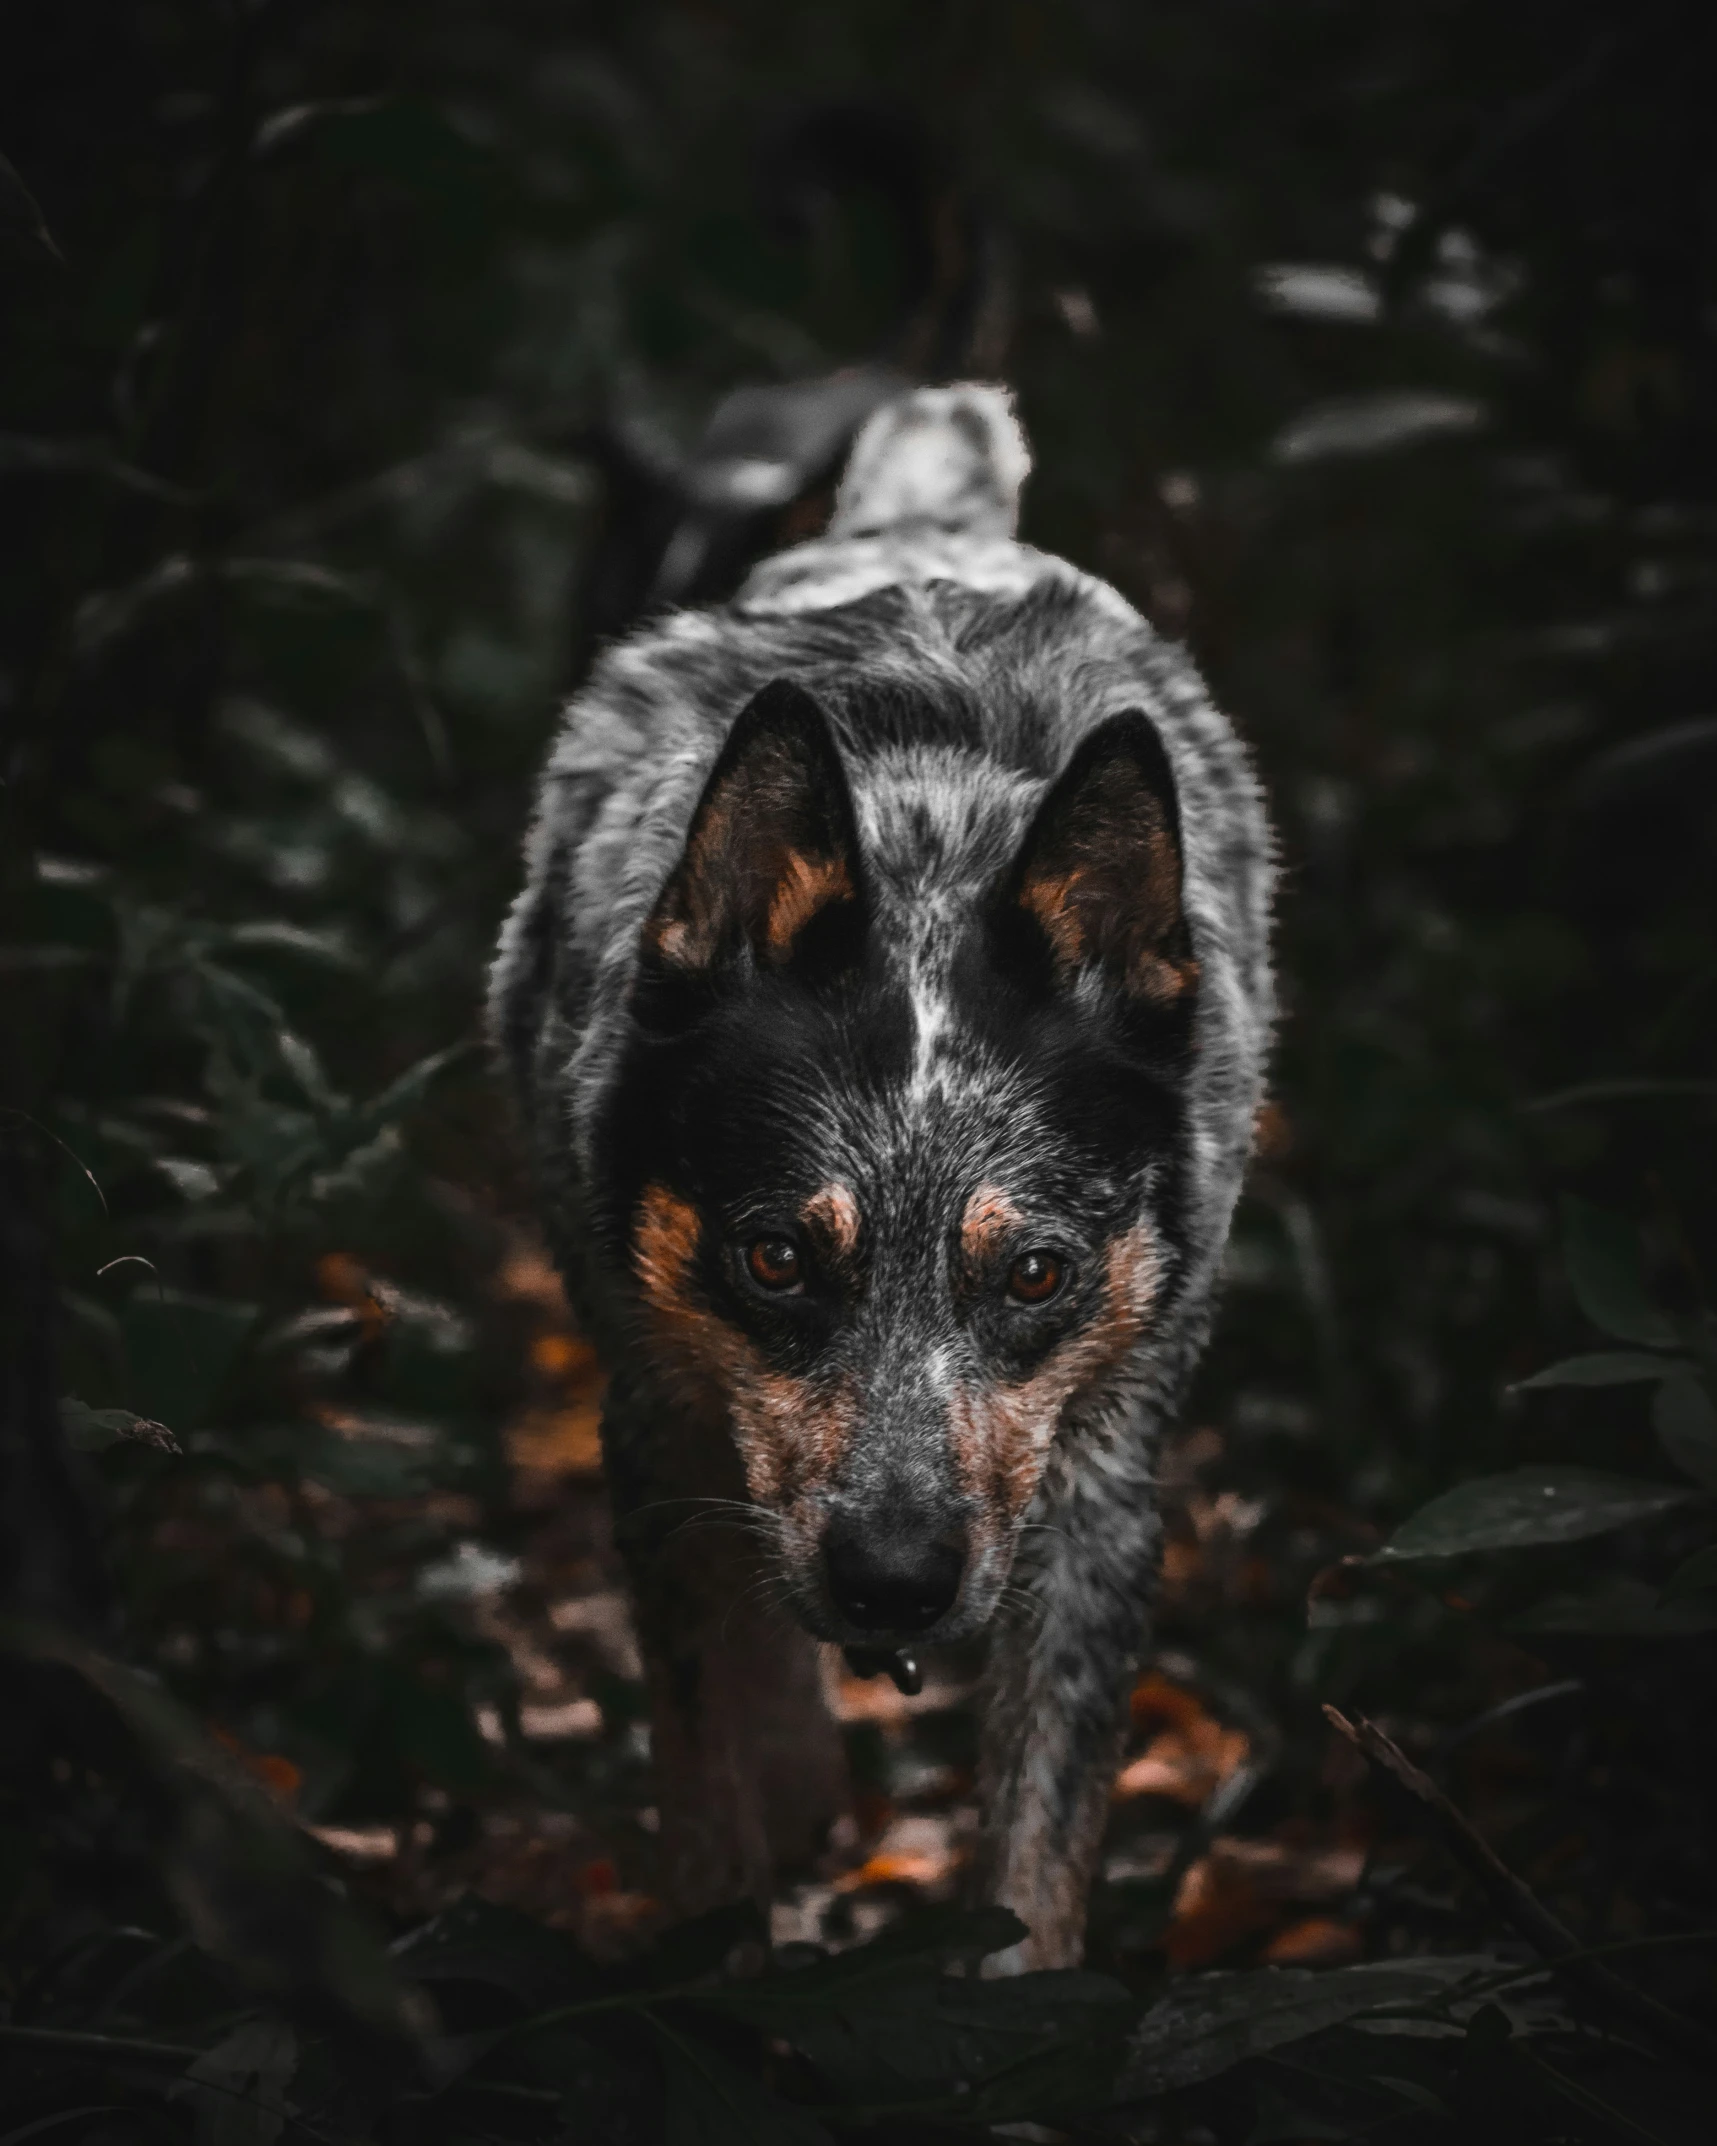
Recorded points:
(770, 869)
(1097, 882)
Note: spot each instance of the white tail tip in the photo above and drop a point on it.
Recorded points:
(952, 458)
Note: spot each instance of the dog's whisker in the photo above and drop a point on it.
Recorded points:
(772, 1589)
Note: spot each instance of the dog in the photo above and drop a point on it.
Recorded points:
(887, 1008)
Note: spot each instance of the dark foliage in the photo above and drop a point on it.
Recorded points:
(350, 355)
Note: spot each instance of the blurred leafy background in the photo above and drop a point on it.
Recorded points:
(1373, 352)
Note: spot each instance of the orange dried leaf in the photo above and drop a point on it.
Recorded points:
(1155, 1700)
(1318, 1941)
(896, 1870)
(341, 1278)
(527, 1276)
(1215, 1909)
(597, 1878)
(558, 1441)
(1182, 1562)
(1186, 1765)
(559, 1354)
(276, 1772)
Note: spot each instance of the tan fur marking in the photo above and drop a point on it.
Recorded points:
(806, 885)
(663, 1242)
(1078, 909)
(833, 1214)
(1001, 1435)
(790, 1434)
(1051, 899)
(989, 1217)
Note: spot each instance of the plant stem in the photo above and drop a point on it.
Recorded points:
(1558, 1945)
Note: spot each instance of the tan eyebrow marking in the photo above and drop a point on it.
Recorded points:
(834, 1214)
(989, 1217)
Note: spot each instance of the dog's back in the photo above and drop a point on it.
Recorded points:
(910, 913)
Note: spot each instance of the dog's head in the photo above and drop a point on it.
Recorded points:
(892, 1154)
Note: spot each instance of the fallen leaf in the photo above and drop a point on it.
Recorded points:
(917, 1849)
(558, 1441)
(345, 1280)
(558, 1354)
(1155, 1700)
(527, 1276)
(1181, 1565)
(1240, 1888)
(277, 1773)
(568, 1718)
(597, 1878)
(362, 1844)
(1185, 1765)
(1318, 1941)
(1204, 2026)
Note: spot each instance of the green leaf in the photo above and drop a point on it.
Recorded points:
(1526, 1506)
(1209, 2023)
(179, 1350)
(920, 1943)
(21, 2134)
(1009, 2047)
(1698, 1573)
(93, 1430)
(359, 1467)
(238, 2090)
(1281, 2122)
(240, 1875)
(1686, 1427)
(1615, 1368)
(403, 1095)
(708, 2101)
(1607, 1271)
(703, 1945)
(272, 935)
(1618, 1608)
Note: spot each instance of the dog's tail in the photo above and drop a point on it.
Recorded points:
(946, 458)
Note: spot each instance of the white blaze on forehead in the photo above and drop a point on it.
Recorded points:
(930, 1023)
(939, 1372)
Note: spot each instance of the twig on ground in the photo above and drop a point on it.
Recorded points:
(1558, 1945)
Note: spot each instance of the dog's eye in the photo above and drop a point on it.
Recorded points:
(1035, 1277)
(774, 1263)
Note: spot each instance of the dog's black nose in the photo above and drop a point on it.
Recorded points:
(883, 1581)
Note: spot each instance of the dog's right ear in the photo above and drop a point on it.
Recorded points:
(770, 871)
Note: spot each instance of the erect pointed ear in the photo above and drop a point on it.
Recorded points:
(772, 850)
(1098, 877)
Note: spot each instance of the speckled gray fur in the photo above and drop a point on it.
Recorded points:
(919, 585)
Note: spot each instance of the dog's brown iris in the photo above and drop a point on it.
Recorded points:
(774, 1263)
(1035, 1277)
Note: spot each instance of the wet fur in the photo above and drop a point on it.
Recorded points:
(886, 1000)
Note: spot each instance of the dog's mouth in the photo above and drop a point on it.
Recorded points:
(900, 1663)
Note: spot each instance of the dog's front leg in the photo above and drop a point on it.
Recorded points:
(750, 1771)
(1062, 1661)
